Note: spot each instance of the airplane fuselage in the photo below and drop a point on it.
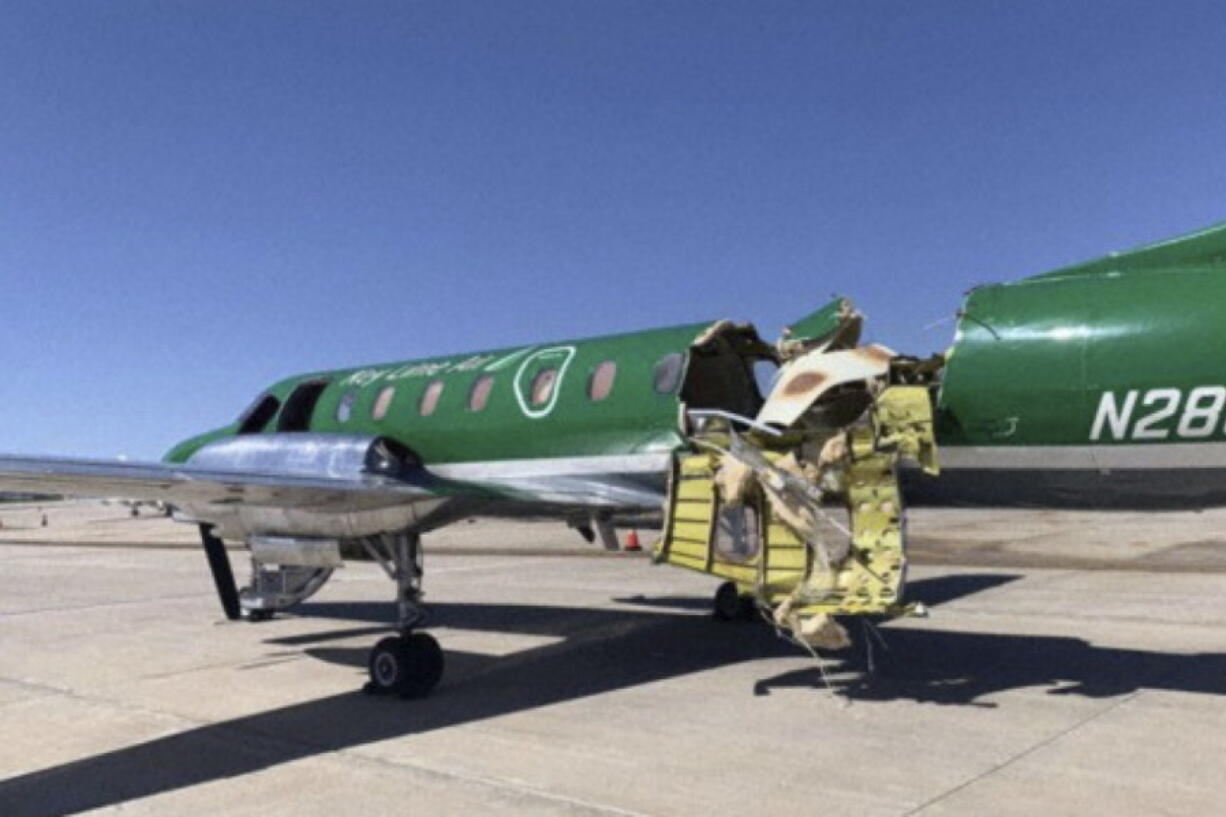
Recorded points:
(551, 427)
(1100, 386)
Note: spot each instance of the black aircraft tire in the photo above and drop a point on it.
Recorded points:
(727, 605)
(409, 667)
(427, 662)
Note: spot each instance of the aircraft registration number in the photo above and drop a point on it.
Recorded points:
(1159, 414)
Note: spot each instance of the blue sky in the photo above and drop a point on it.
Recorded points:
(197, 198)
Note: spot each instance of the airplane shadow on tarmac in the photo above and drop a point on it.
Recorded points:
(602, 650)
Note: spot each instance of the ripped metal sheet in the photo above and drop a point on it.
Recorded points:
(836, 325)
(754, 508)
(805, 380)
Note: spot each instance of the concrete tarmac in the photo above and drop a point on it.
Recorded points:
(1058, 673)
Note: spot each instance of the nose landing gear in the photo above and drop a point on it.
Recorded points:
(409, 664)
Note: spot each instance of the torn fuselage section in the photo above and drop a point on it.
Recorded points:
(799, 503)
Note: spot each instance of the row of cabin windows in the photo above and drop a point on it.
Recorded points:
(599, 386)
(665, 378)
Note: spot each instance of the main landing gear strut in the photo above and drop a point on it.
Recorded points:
(409, 664)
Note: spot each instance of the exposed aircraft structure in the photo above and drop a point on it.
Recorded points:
(750, 504)
(1095, 385)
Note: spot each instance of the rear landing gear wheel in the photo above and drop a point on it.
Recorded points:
(409, 666)
(730, 605)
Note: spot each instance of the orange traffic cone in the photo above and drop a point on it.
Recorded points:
(632, 541)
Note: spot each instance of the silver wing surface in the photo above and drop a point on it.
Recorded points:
(340, 474)
(317, 471)
(194, 485)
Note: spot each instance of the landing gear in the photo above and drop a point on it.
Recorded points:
(730, 605)
(410, 664)
(223, 576)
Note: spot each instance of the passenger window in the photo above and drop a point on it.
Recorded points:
(382, 403)
(480, 394)
(601, 382)
(429, 398)
(542, 386)
(668, 373)
(257, 415)
(344, 409)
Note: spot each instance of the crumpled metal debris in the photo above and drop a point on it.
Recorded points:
(844, 332)
(819, 631)
(733, 479)
(868, 411)
(804, 381)
(790, 489)
(715, 330)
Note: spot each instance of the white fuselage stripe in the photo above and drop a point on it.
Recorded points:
(1084, 457)
(645, 463)
(1002, 457)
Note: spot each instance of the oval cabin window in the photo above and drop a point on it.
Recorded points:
(344, 409)
(429, 398)
(542, 386)
(601, 381)
(480, 394)
(382, 403)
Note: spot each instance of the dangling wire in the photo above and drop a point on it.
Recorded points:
(871, 632)
(780, 632)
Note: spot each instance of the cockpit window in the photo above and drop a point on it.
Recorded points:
(300, 405)
(667, 374)
(257, 415)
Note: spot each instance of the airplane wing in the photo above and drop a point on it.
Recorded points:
(348, 472)
(178, 484)
(339, 473)
(282, 474)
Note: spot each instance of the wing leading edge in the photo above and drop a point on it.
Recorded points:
(194, 484)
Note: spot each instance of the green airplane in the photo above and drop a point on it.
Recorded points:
(1090, 386)
(1095, 386)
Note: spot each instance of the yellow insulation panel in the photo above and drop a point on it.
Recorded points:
(869, 579)
(742, 575)
(693, 491)
(691, 531)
